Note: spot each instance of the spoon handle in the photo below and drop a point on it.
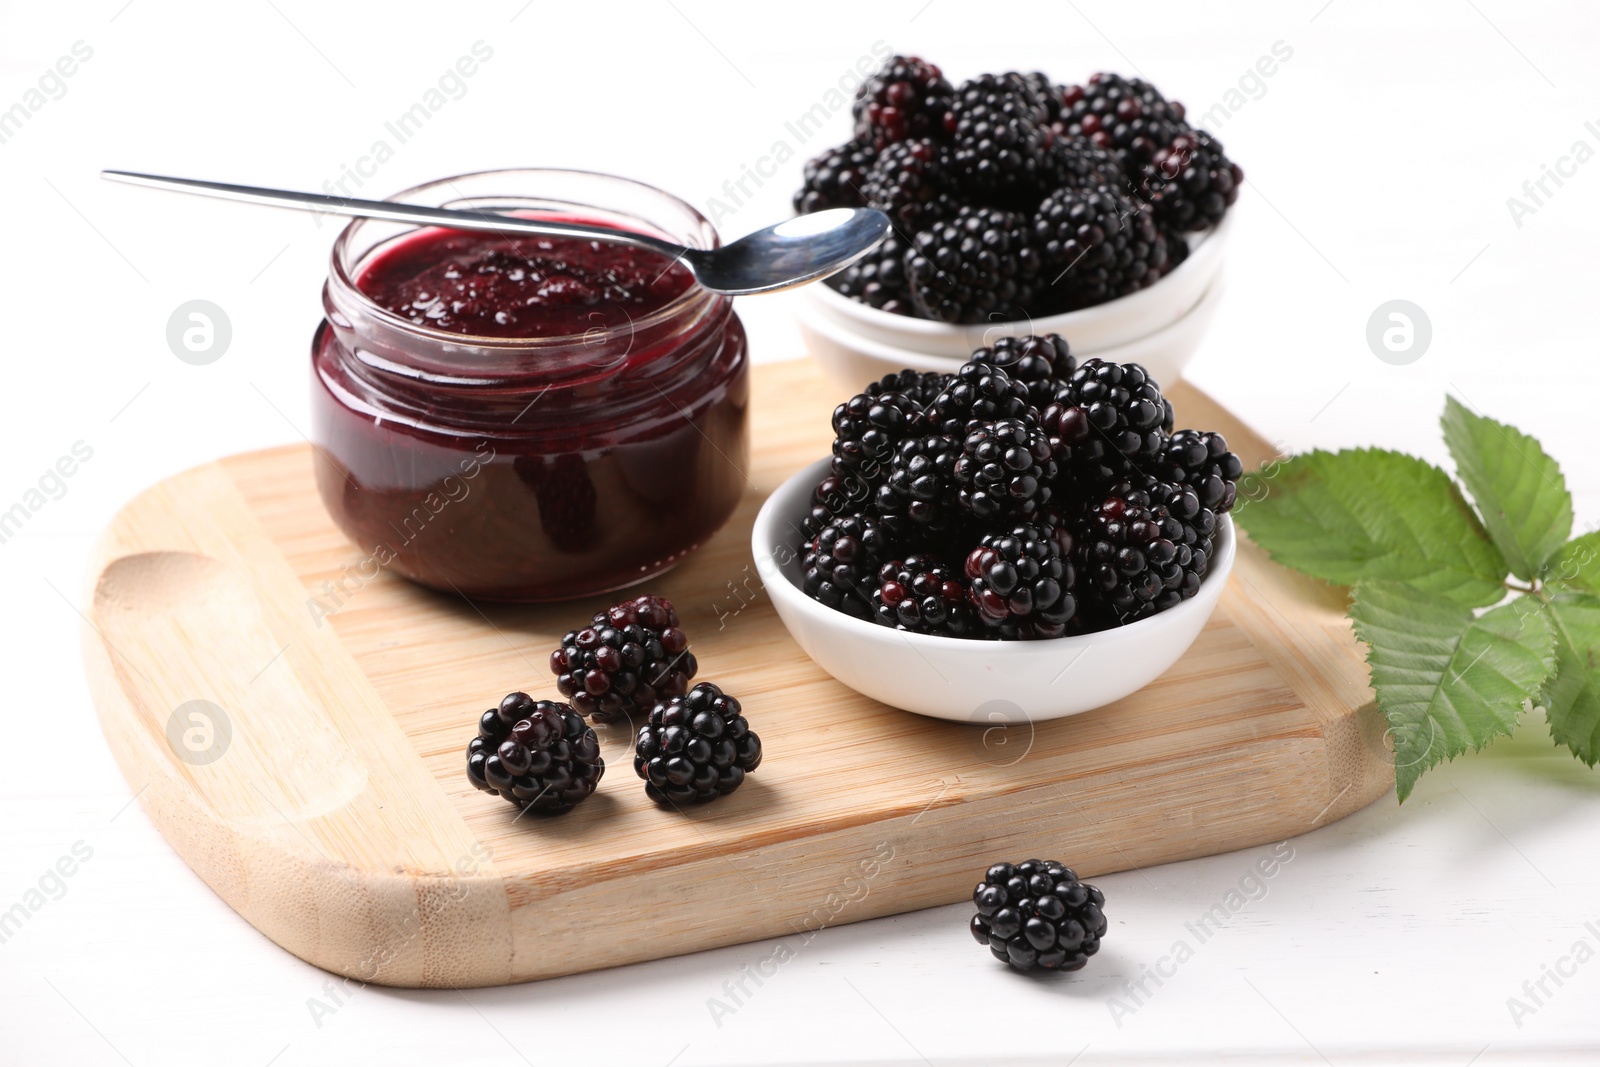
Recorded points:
(450, 218)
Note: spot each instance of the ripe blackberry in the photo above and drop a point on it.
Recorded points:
(833, 178)
(906, 97)
(979, 392)
(976, 267)
(696, 747)
(1021, 585)
(1094, 246)
(1079, 163)
(1142, 549)
(1126, 115)
(628, 657)
(912, 183)
(866, 429)
(1202, 461)
(1190, 182)
(921, 386)
(920, 491)
(538, 754)
(841, 562)
(1036, 360)
(1000, 139)
(836, 494)
(879, 278)
(1004, 470)
(920, 595)
(1038, 916)
(1124, 423)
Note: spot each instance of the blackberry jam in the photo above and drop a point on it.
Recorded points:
(515, 417)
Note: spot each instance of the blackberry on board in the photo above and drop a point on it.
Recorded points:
(695, 748)
(1202, 461)
(538, 754)
(1124, 423)
(1095, 245)
(905, 98)
(1004, 470)
(628, 657)
(920, 595)
(1143, 548)
(833, 178)
(913, 183)
(1021, 585)
(841, 562)
(1190, 182)
(979, 266)
(1037, 915)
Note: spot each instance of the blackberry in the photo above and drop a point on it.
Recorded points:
(920, 595)
(1203, 462)
(1004, 470)
(1190, 182)
(840, 563)
(906, 97)
(977, 267)
(1079, 163)
(1021, 584)
(836, 494)
(866, 429)
(1038, 916)
(1000, 139)
(538, 754)
(1124, 423)
(878, 279)
(833, 178)
(912, 183)
(921, 386)
(1036, 360)
(979, 392)
(1094, 246)
(696, 747)
(628, 657)
(920, 491)
(1142, 549)
(1125, 115)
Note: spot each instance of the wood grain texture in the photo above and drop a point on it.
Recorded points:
(339, 820)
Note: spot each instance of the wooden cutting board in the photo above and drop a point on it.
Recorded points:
(310, 766)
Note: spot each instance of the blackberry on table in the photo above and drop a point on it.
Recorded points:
(1036, 360)
(1094, 246)
(879, 278)
(628, 657)
(1124, 423)
(1202, 461)
(1038, 916)
(979, 392)
(695, 748)
(919, 493)
(922, 596)
(1126, 115)
(1004, 470)
(1190, 182)
(1021, 585)
(977, 267)
(840, 564)
(537, 754)
(905, 98)
(1000, 141)
(833, 178)
(1144, 548)
(912, 182)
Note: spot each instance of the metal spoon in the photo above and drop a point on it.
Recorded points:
(791, 253)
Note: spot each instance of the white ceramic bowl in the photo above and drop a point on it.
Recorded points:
(853, 360)
(1088, 331)
(972, 681)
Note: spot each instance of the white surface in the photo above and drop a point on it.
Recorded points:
(983, 682)
(1380, 158)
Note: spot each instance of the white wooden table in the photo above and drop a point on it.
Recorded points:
(1380, 158)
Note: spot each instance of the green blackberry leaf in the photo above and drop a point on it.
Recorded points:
(1572, 696)
(1576, 566)
(1372, 514)
(1521, 496)
(1448, 681)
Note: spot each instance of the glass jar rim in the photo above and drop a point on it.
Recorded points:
(340, 276)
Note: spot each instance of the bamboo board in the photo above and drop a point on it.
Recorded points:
(327, 801)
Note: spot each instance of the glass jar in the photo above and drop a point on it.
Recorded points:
(529, 468)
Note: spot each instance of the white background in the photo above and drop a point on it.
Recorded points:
(1379, 159)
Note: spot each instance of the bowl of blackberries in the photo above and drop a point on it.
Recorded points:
(1019, 206)
(1024, 538)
